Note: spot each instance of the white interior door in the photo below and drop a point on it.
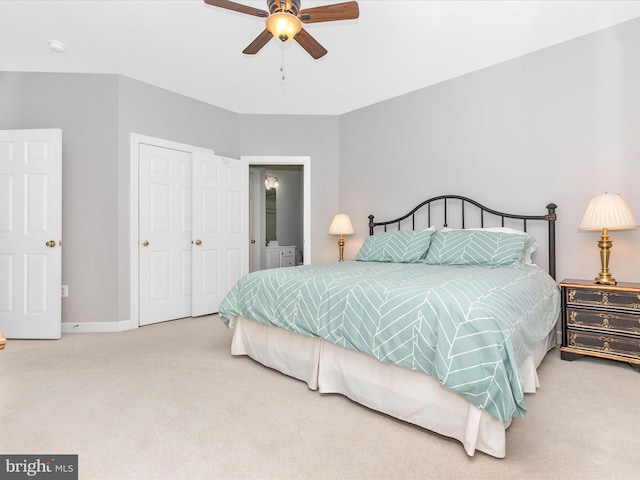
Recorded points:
(234, 218)
(220, 252)
(192, 231)
(207, 196)
(30, 233)
(165, 199)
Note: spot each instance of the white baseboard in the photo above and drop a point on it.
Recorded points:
(98, 327)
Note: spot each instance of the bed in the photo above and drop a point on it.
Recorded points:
(438, 326)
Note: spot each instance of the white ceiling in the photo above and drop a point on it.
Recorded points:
(194, 49)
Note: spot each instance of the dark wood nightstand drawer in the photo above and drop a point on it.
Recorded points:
(603, 320)
(601, 342)
(604, 297)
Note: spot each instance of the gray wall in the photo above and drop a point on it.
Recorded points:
(306, 135)
(97, 113)
(561, 125)
(557, 125)
(85, 107)
(148, 110)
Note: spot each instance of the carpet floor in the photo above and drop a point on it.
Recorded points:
(168, 401)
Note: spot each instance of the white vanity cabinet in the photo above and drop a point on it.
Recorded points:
(280, 256)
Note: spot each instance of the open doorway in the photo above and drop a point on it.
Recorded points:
(290, 234)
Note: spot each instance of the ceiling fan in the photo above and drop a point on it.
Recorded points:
(284, 21)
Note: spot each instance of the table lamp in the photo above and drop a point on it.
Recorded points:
(607, 211)
(341, 225)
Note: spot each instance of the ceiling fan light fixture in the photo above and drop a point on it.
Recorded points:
(283, 26)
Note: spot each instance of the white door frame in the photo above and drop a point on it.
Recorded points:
(134, 241)
(305, 161)
(255, 225)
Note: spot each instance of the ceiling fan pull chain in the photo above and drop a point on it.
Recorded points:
(282, 60)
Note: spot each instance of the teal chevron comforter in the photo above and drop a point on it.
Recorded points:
(469, 326)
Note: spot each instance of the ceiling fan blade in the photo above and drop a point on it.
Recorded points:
(328, 13)
(310, 44)
(260, 41)
(237, 7)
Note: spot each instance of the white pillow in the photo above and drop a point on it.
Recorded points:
(528, 252)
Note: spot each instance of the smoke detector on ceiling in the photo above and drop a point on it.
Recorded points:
(57, 46)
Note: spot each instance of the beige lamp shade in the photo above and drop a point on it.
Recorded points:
(608, 210)
(605, 212)
(341, 225)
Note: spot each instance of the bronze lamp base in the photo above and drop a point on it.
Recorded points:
(604, 277)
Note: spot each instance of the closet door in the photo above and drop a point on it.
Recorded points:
(165, 198)
(220, 228)
(193, 231)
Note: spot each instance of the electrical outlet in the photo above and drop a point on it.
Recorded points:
(65, 291)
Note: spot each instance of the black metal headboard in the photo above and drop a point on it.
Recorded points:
(460, 203)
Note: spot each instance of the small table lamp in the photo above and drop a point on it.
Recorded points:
(607, 211)
(341, 225)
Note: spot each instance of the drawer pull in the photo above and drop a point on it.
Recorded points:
(605, 297)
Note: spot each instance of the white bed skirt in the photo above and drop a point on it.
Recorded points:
(404, 394)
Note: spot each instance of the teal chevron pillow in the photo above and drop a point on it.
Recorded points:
(476, 247)
(399, 246)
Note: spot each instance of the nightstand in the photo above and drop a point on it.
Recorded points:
(601, 321)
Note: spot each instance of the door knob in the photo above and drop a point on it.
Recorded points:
(198, 242)
(145, 243)
(253, 240)
(51, 243)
